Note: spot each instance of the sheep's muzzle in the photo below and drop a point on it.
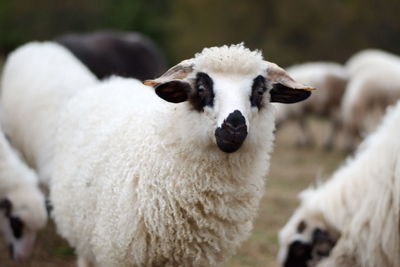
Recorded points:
(232, 133)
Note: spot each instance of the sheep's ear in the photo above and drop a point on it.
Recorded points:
(285, 89)
(171, 86)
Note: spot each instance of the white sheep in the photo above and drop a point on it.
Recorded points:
(22, 204)
(330, 79)
(29, 117)
(358, 208)
(138, 181)
(374, 85)
(368, 58)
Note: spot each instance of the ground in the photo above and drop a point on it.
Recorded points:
(292, 170)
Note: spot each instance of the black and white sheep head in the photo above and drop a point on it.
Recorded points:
(306, 239)
(229, 85)
(22, 215)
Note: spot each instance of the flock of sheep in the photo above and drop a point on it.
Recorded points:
(170, 171)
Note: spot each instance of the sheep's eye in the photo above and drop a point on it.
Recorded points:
(258, 89)
(203, 93)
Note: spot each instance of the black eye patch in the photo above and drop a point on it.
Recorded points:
(17, 226)
(258, 89)
(203, 93)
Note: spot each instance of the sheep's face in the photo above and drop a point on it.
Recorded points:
(305, 240)
(229, 85)
(20, 221)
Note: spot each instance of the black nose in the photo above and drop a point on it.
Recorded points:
(232, 133)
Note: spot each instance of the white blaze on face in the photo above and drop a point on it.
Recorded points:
(231, 93)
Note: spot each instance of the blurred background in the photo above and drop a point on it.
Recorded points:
(288, 32)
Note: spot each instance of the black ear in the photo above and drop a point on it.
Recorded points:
(6, 205)
(174, 91)
(282, 94)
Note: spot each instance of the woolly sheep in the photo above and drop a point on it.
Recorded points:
(107, 53)
(368, 58)
(357, 208)
(30, 116)
(22, 204)
(140, 181)
(372, 88)
(330, 79)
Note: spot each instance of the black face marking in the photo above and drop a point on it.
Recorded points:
(322, 243)
(17, 226)
(301, 227)
(7, 206)
(299, 254)
(232, 133)
(203, 93)
(257, 91)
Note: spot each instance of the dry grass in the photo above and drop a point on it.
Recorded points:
(292, 169)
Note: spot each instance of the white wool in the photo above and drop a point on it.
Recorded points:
(160, 196)
(368, 58)
(148, 174)
(30, 113)
(370, 90)
(235, 59)
(361, 201)
(19, 186)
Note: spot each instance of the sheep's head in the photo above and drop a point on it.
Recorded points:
(306, 239)
(229, 84)
(23, 214)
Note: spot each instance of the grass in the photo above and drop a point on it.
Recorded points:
(292, 170)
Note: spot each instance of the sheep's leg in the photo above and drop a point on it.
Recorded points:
(306, 137)
(82, 262)
(335, 127)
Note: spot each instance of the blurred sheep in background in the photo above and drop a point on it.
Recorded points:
(374, 85)
(330, 79)
(22, 204)
(126, 54)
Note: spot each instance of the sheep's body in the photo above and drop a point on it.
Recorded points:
(106, 53)
(21, 200)
(368, 59)
(372, 88)
(181, 203)
(30, 114)
(361, 202)
(330, 79)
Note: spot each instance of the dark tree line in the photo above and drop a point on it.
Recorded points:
(287, 31)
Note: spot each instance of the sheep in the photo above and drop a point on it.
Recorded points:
(106, 53)
(165, 176)
(352, 219)
(374, 85)
(22, 204)
(368, 58)
(331, 79)
(29, 117)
